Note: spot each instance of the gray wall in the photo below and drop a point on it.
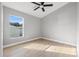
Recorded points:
(1, 49)
(31, 26)
(78, 28)
(0, 29)
(61, 25)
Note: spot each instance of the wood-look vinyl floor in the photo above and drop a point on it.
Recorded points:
(40, 48)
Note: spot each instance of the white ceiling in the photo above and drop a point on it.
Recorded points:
(27, 7)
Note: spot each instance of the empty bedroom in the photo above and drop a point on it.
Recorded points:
(40, 29)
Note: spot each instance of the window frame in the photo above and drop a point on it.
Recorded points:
(22, 27)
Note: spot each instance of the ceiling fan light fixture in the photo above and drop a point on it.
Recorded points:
(42, 5)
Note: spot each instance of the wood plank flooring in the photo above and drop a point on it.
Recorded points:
(40, 48)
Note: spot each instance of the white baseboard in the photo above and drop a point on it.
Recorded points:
(5, 46)
(59, 41)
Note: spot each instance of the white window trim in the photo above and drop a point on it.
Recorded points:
(22, 29)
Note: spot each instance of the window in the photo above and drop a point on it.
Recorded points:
(16, 26)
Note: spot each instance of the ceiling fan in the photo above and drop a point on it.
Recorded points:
(41, 5)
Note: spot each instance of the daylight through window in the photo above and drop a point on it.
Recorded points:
(16, 26)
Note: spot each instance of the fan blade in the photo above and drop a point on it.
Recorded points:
(35, 3)
(42, 3)
(36, 8)
(43, 9)
(46, 5)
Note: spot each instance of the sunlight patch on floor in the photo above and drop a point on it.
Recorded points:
(57, 49)
(64, 50)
